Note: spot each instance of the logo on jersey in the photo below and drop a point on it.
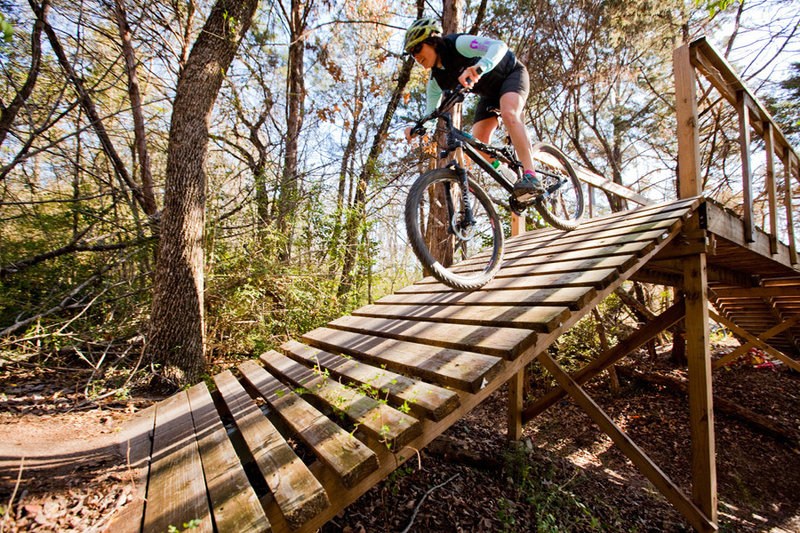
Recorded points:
(477, 45)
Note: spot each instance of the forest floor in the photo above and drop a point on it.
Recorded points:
(565, 475)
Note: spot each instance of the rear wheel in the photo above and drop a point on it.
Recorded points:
(562, 204)
(461, 254)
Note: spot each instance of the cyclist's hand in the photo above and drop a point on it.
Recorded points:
(409, 133)
(470, 77)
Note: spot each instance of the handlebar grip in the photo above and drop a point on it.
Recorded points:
(418, 129)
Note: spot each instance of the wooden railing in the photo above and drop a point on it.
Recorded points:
(701, 57)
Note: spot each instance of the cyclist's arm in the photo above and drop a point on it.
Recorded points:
(490, 51)
(433, 95)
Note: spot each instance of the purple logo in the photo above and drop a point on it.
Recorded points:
(477, 45)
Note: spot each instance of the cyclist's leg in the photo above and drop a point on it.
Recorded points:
(511, 107)
(485, 121)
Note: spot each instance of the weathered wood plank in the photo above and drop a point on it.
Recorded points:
(528, 266)
(541, 319)
(701, 405)
(466, 371)
(136, 447)
(592, 278)
(176, 492)
(572, 297)
(235, 505)
(341, 451)
(499, 342)
(379, 421)
(297, 492)
(422, 398)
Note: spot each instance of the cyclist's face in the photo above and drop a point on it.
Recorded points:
(426, 56)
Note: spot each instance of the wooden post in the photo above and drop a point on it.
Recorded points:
(591, 200)
(689, 181)
(516, 385)
(788, 163)
(769, 140)
(743, 107)
(701, 413)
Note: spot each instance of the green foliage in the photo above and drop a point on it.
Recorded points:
(715, 6)
(537, 483)
(7, 29)
(255, 303)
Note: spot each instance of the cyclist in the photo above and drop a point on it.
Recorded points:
(492, 71)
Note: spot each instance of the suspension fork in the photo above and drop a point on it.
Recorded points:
(460, 225)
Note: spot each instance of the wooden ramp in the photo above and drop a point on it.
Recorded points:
(286, 442)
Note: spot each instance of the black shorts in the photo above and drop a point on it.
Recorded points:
(518, 81)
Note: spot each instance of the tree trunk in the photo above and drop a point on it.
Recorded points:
(440, 243)
(140, 138)
(8, 114)
(289, 189)
(177, 334)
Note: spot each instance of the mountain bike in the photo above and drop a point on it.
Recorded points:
(451, 221)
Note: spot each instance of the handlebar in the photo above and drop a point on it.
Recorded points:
(449, 99)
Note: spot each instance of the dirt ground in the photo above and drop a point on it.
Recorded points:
(565, 476)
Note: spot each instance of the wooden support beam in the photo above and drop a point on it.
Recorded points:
(788, 163)
(743, 102)
(689, 177)
(701, 411)
(772, 200)
(753, 341)
(516, 385)
(694, 514)
(722, 361)
(608, 358)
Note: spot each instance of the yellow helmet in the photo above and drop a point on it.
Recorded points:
(420, 30)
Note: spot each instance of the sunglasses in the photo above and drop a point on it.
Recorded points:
(416, 49)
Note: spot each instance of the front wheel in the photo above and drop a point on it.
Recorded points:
(463, 254)
(562, 204)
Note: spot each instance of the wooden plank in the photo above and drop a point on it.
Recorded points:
(701, 408)
(547, 257)
(422, 398)
(637, 339)
(772, 199)
(588, 244)
(540, 319)
(571, 297)
(234, 502)
(499, 342)
(689, 177)
(592, 278)
(341, 451)
(646, 466)
(730, 227)
(527, 266)
(642, 223)
(787, 202)
(379, 421)
(742, 101)
(727, 293)
(176, 492)
(297, 492)
(136, 447)
(463, 370)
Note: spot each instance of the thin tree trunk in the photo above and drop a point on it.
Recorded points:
(140, 138)
(8, 114)
(289, 189)
(177, 333)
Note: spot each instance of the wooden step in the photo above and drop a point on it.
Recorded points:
(468, 371)
(540, 319)
(421, 398)
(234, 503)
(176, 492)
(572, 297)
(499, 342)
(338, 449)
(297, 492)
(377, 420)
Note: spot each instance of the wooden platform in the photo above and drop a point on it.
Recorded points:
(286, 442)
